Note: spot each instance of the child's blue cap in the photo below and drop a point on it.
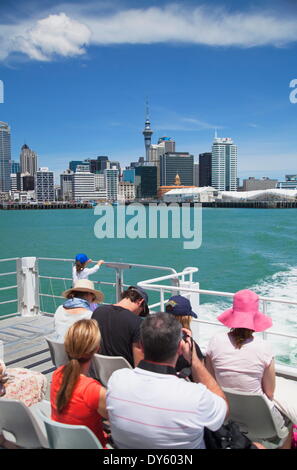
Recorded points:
(82, 258)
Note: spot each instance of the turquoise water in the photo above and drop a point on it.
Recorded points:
(241, 248)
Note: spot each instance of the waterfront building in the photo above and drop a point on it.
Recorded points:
(73, 164)
(100, 189)
(28, 160)
(13, 182)
(5, 157)
(112, 183)
(224, 164)
(253, 184)
(83, 188)
(202, 194)
(290, 183)
(129, 175)
(146, 181)
(205, 169)
(15, 167)
(28, 182)
(66, 184)
(126, 191)
(172, 163)
(162, 190)
(44, 185)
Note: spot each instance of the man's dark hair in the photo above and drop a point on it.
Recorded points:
(131, 294)
(160, 334)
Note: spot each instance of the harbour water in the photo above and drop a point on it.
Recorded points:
(241, 248)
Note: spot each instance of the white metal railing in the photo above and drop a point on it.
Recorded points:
(10, 287)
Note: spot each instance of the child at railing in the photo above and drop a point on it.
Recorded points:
(80, 270)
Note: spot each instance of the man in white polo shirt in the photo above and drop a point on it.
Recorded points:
(149, 407)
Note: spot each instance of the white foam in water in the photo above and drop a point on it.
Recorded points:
(282, 285)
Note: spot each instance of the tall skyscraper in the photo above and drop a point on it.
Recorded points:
(224, 164)
(112, 183)
(5, 157)
(146, 181)
(173, 163)
(205, 169)
(147, 132)
(28, 160)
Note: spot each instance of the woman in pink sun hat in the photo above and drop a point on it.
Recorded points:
(239, 360)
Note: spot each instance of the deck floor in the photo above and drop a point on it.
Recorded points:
(24, 343)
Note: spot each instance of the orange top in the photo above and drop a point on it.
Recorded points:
(82, 406)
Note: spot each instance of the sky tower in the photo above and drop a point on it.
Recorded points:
(147, 132)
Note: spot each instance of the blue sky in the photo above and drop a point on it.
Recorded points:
(76, 78)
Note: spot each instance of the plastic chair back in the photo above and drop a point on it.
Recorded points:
(17, 419)
(57, 352)
(103, 366)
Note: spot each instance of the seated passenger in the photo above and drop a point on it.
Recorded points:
(149, 407)
(245, 363)
(75, 397)
(76, 307)
(120, 325)
(181, 308)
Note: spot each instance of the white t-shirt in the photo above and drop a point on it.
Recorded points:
(84, 274)
(63, 319)
(148, 410)
(241, 369)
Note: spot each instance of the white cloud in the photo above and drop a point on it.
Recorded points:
(50, 36)
(68, 34)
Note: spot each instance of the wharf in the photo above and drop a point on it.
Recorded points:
(38, 206)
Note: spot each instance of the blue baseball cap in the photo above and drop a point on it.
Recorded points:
(179, 305)
(82, 258)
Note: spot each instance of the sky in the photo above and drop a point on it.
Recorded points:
(76, 78)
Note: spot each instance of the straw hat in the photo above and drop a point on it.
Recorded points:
(84, 285)
(245, 313)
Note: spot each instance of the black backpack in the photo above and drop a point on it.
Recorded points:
(228, 436)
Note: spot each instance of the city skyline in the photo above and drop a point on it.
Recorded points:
(84, 94)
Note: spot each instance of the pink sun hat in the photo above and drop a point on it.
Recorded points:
(245, 313)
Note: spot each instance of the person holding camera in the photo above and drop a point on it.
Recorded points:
(150, 407)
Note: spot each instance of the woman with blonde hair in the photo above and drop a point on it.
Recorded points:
(75, 397)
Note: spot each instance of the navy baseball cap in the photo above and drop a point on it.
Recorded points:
(179, 305)
(82, 258)
(144, 295)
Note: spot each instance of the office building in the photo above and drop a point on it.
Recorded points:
(111, 183)
(100, 189)
(13, 182)
(128, 175)
(15, 167)
(253, 184)
(83, 168)
(44, 185)
(205, 169)
(196, 174)
(83, 188)
(126, 191)
(146, 181)
(73, 164)
(66, 185)
(224, 164)
(173, 163)
(103, 163)
(290, 183)
(5, 157)
(28, 160)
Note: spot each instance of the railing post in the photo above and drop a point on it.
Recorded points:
(119, 283)
(28, 287)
